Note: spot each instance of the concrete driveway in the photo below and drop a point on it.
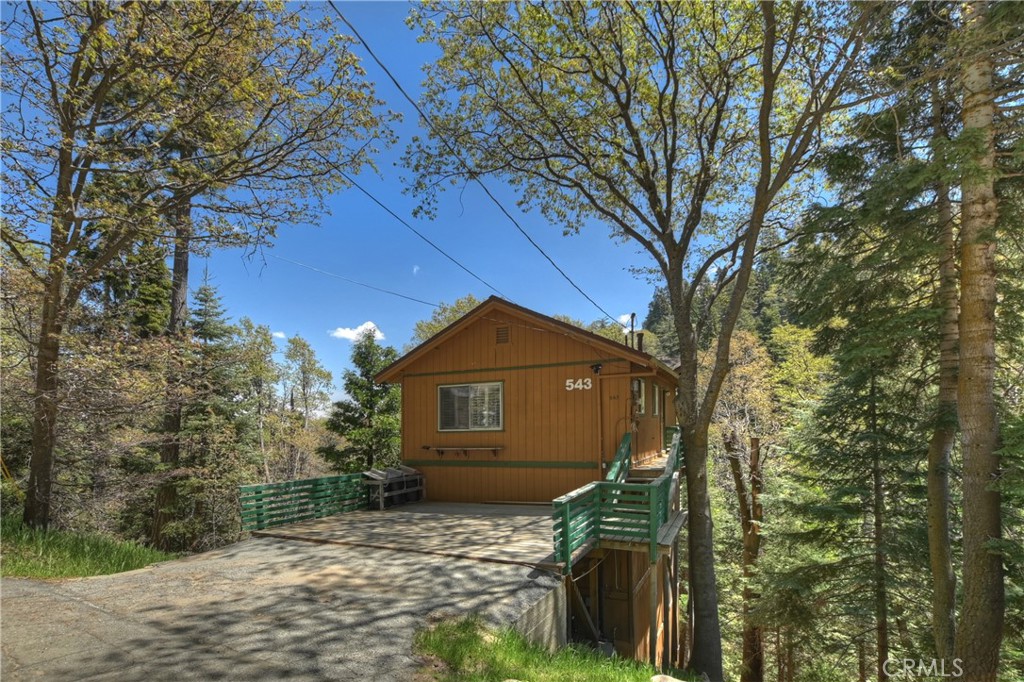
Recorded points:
(263, 609)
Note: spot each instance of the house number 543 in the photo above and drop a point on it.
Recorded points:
(578, 384)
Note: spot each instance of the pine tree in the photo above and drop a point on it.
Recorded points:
(369, 418)
(217, 439)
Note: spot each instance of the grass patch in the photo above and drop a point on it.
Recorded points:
(32, 553)
(465, 651)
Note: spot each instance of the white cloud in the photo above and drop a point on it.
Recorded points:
(624, 319)
(352, 333)
(415, 270)
(279, 335)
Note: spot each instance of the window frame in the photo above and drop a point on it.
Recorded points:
(501, 407)
(657, 400)
(640, 397)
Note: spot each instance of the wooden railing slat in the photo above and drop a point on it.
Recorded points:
(615, 510)
(277, 504)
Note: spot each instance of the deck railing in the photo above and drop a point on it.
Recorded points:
(616, 511)
(675, 450)
(276, 504)
(619, 468)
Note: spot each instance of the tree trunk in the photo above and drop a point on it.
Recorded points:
(261, 420)
(179, 271)
(706, 655)
(51, 326)
(878, 510)
(753, 639)
(751, 512)
(44, 410)
(980, 630)
(944, 431)
(780, 666)
(170, 451)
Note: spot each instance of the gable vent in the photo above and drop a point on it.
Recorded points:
(501, 335)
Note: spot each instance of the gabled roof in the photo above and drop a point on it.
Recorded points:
(493, 304)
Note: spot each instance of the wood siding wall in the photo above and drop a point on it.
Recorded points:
(619, 584)
(553, 439)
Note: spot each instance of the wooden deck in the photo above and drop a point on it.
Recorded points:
(652, 467)
(502, 533)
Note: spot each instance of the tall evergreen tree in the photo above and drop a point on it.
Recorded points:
(369, 418)
(217, 439)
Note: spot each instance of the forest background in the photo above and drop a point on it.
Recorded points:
(865, 498)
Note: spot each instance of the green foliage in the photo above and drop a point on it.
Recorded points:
(117, 117)
(369, 418)
(135, 290)
(444, 315)
(309, 382)
(801, 377)
(570, 320)
(469, 653)
(661, 322)
(216, 436)
(64, 554)
(1011, 487)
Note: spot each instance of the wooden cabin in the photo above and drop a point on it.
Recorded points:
(509, 405)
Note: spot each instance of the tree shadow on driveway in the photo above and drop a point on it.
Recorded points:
(262, 609)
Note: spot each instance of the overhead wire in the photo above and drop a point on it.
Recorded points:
(352, 281)
(504, 321)
(476, 178)
(419, 234)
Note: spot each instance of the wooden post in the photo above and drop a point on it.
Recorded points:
(666, 614)
(652, 521)
(600, 431)
(566, 540)
(652, 590)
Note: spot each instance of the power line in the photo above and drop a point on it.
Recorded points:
(352, 281)
(465, 165)
(422, 236)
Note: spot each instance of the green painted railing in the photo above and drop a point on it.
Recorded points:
(675, 451)
(276, 504)
(614, 510)
(627, 512)
(619, 468)
(669, 433)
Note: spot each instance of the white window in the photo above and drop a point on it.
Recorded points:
(657, 400)
(640, 395)
(470, 407)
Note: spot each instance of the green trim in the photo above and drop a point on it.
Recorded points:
(498, 463)
(516, 367)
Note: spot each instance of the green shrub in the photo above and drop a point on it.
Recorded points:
(12, 498)
(61, 554)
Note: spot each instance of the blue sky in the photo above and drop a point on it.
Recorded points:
(360, 241)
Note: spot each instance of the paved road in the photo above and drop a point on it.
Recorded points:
(262, 609)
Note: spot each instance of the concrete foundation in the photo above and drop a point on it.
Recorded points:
(544, 622)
